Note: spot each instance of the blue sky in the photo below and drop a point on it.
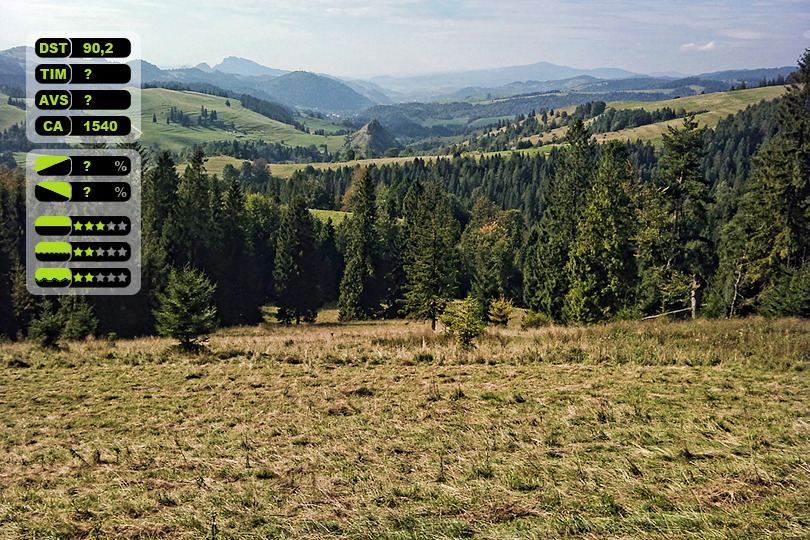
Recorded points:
(363, 38)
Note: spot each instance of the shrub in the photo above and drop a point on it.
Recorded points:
(46, 328)
(500, 310)
(465, 323)
(535, 320)
(73, 319)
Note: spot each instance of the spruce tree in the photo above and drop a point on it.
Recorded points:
(546, 282)
(430, 262)
(765, 248)
(360, 287)
(674, 244)
(185, 310)
(601, 265)
(297, 272)
(238, 292)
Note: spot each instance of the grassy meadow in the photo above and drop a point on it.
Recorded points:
(9, 114)
(387, 430)
(249, 124)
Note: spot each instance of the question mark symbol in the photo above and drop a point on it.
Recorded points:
(87, 99)
(86, 168)
(87, 73)
(86, 190)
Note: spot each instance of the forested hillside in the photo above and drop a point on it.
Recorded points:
(712, 222)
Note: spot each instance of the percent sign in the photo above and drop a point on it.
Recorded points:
(120, 192)
(121, 166)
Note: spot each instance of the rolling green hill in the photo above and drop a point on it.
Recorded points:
(718, 106)
(247, 124)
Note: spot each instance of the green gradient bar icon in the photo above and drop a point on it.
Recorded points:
(53, 251)
(52, 165)
(53, 225)
(53, 191)
(53, 277)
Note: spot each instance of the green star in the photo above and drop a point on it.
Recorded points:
(78, 225)
(77, 278)
(77, 252)
(88, 277)
(89, 252)
(99, 226)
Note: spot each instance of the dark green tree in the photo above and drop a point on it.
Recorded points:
(546, 281)
(765, 248)
(490, 245)
(239, 288)
(263, 217)
(297, 272)
(601, 264)
(360, 287)
(430, 261)
(675, 249)
(186, 309)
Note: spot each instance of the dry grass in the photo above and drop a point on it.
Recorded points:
(386, 430)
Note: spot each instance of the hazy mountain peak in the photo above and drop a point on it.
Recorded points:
(242, 66)
(373, 139)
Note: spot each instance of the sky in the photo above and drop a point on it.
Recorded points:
(364, 38)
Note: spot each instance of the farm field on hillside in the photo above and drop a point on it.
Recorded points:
(387, 430)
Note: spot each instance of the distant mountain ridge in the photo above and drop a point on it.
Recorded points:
(329, 94)
(452, 82)
(242, 66)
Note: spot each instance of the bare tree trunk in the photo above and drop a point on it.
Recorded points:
(736, 293)
(695, 287)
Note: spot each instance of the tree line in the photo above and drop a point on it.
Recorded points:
(598, 239)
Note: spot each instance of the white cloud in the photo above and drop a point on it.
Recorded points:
(697, 47)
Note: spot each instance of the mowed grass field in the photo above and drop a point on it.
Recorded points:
(387, 430)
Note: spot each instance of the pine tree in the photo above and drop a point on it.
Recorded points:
(765, 248)
(675, 248)
(601, 266)
(297, 273)
(238, 292)
(490, 244)
(360, 290)
(546, 282)
(185, 310)
(430, 260)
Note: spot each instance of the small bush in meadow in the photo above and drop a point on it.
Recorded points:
(465, 322)
(535, 320)
(500, 310)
